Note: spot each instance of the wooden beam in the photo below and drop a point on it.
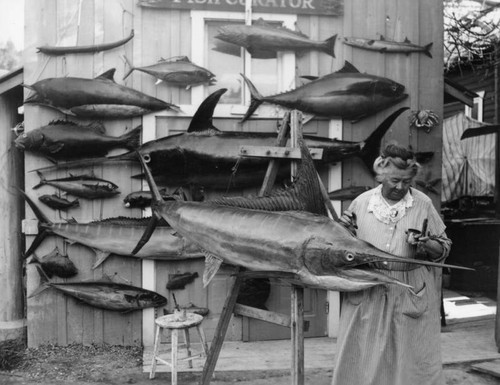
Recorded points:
(278, 152)
(263, 315)
(297, 331)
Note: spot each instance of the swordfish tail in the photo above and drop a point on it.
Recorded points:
(329, 46)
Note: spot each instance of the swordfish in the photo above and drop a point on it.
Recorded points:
(206, 156)
(305, 248)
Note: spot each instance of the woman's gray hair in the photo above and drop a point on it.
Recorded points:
(398, 156)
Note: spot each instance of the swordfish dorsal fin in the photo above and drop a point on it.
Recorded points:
(202, 119)
(108, 75)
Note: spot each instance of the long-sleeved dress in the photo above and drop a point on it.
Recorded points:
(391, 335)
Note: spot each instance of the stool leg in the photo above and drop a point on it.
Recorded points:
(155, 352)
(203, 341)
(175, 340)
(188, 348)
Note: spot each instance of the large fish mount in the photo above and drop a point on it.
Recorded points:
(58, 51)
(206, 156)
(100, 98)
(263, 40)
(304, 248)
(113, 236)
(63, 140)
(177, 71)
(346, 94)
(105, 294)
(383, 45)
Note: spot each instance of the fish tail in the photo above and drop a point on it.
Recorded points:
(132, 139)
(256, 99)
(132, 68)
(43, 222)
(330, 45)
(44, 282)
(42, 181)
(427, 50)
(371, 146)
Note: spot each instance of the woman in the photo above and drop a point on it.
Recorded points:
(391, 335)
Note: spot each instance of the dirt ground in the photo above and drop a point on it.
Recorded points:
(113, 365)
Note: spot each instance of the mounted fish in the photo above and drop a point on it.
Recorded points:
(117, 236)
(57, 264)
(177, 71)
(300, 247)
(346, 94)
(57, 203)
(205, 156)
(83, 186)
(347, 193)
(388, 46)
(142, 199)
(235, 50)
(105, 294)
(58, 51)
(62, 140)
(179, 281)
(481, 130)
(262, 39)
(99, 98)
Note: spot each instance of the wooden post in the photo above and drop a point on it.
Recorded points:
(297, 331)
(497, 319)
(12, 322)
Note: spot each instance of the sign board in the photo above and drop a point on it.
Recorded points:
(298, 7)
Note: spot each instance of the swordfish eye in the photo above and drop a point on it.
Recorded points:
(147, 158)
(349, 257)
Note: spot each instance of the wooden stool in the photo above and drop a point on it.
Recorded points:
(174, 323)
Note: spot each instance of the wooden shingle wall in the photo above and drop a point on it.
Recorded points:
(54, 318)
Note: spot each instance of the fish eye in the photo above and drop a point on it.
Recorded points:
(25, 135)
(147, 158)
(349, 257)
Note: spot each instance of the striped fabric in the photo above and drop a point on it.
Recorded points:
(391, 335)
(468, 165)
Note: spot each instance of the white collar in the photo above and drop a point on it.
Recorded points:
(385, 212)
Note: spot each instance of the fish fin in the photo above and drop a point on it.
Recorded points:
(427, 50)
(383, 50)
(97, 127)
(255, 99)
(42, 181)
(148, 232)
(212, 265)
(330, 45)
(257, 53)
(132, 139)
(55, 148)
(44, 279)
(348, 68)
(28, 86)
(132, 68)
(108, 75)
(101, 257)
(370, 42)
(310, 77)
(202, 119)
(382, 37)
(406, 40)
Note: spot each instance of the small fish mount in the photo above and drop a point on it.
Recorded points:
(426, 119)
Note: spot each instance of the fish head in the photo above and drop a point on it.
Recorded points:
(31, 140)
(389, 88)
(149, 299)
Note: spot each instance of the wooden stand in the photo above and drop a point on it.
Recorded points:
(296, 320)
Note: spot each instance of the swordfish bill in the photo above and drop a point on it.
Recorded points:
(206, 156)
(318, 251)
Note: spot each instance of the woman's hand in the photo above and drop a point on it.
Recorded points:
(429, 247)
(348, 220)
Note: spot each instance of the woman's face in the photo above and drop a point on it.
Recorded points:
(396, 183)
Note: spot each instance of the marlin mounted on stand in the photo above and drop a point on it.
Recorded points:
(206, 156)
(300, 247)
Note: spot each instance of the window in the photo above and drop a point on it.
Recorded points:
(476, 112)
(270, 76)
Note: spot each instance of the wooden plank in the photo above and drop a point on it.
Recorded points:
(278, 152)
(297, 335)
(497, 320)
(491, 367)
(263, 315)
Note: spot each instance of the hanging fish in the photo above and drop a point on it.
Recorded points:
(346, 94)
(105, 294)
(100, 97)
(57, 51)
(142, 199)
(62, 140)
(179, 281)
(57, 203)
(83, 186)
(388, 46)
(57, 264)
(177, 71)
(262, 39)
